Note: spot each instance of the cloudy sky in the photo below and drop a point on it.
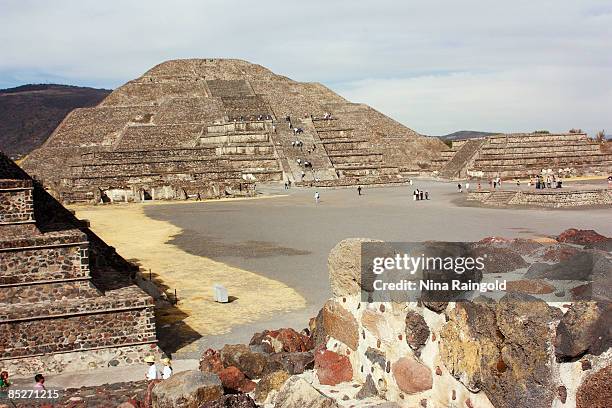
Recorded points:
(436, 66)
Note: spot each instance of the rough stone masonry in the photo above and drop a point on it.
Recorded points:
(67, 300)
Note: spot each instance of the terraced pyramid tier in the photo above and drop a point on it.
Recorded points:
(214, 127)
(68, 300)
(525, 155)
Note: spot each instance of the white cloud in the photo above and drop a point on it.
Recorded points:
(552, 98)
(441, 63)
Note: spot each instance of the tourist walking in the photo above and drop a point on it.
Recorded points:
(152, 373)
(459, 187)
(359, 190)
(414, 195)
(152, 377)
(417, 193)
(286, 186)
(317, 197)
(39, 382)
(421, 195)
(426, 195)
(167, 368)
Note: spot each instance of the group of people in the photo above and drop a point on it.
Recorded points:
(495, 183)
(156, 373)
(418, 195)
(548, 181)
(241, 118)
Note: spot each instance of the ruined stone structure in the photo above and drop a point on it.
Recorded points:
(543, 198)
(524, 155)
(541, 342)
(67, 299)
(215, 127)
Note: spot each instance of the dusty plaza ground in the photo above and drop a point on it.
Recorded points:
(271, 253)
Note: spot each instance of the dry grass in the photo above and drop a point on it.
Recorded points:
(145, 240)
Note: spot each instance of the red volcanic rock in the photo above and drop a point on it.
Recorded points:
(234, 380)
(211, 362)
(498, 259)
(531, 286)
(332, 368)
(559, 252)
(251, 363)
(596, 390)
(411, 376)
(582, 292)
(287, 340)
(581, 237)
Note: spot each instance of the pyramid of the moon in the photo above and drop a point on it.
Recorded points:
(215, 127)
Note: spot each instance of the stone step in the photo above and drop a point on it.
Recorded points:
(458, 164)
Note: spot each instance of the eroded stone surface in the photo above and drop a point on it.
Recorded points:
(411, 375)
(270, 382)
(596, 390)
(251, 363)
(297, 392)
(503, 349)
(187, 389)
(232, 401)
(332, 368)
(417, 331)
(585, 328)
(340, 324)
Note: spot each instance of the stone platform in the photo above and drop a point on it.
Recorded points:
(67, 299)
(524, 155)
(552, 198)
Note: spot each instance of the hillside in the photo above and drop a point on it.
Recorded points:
(29, 113)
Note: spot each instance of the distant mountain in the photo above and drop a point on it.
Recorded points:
(466, 134)
(30, 113)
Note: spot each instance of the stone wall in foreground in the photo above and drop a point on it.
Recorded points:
(518, 351)
(544, 342)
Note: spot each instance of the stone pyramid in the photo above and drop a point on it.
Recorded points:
(214, 127)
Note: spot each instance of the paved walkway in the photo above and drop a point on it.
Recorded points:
(101, 376)
(288, 238)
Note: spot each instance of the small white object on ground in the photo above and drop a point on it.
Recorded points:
(220, 293)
